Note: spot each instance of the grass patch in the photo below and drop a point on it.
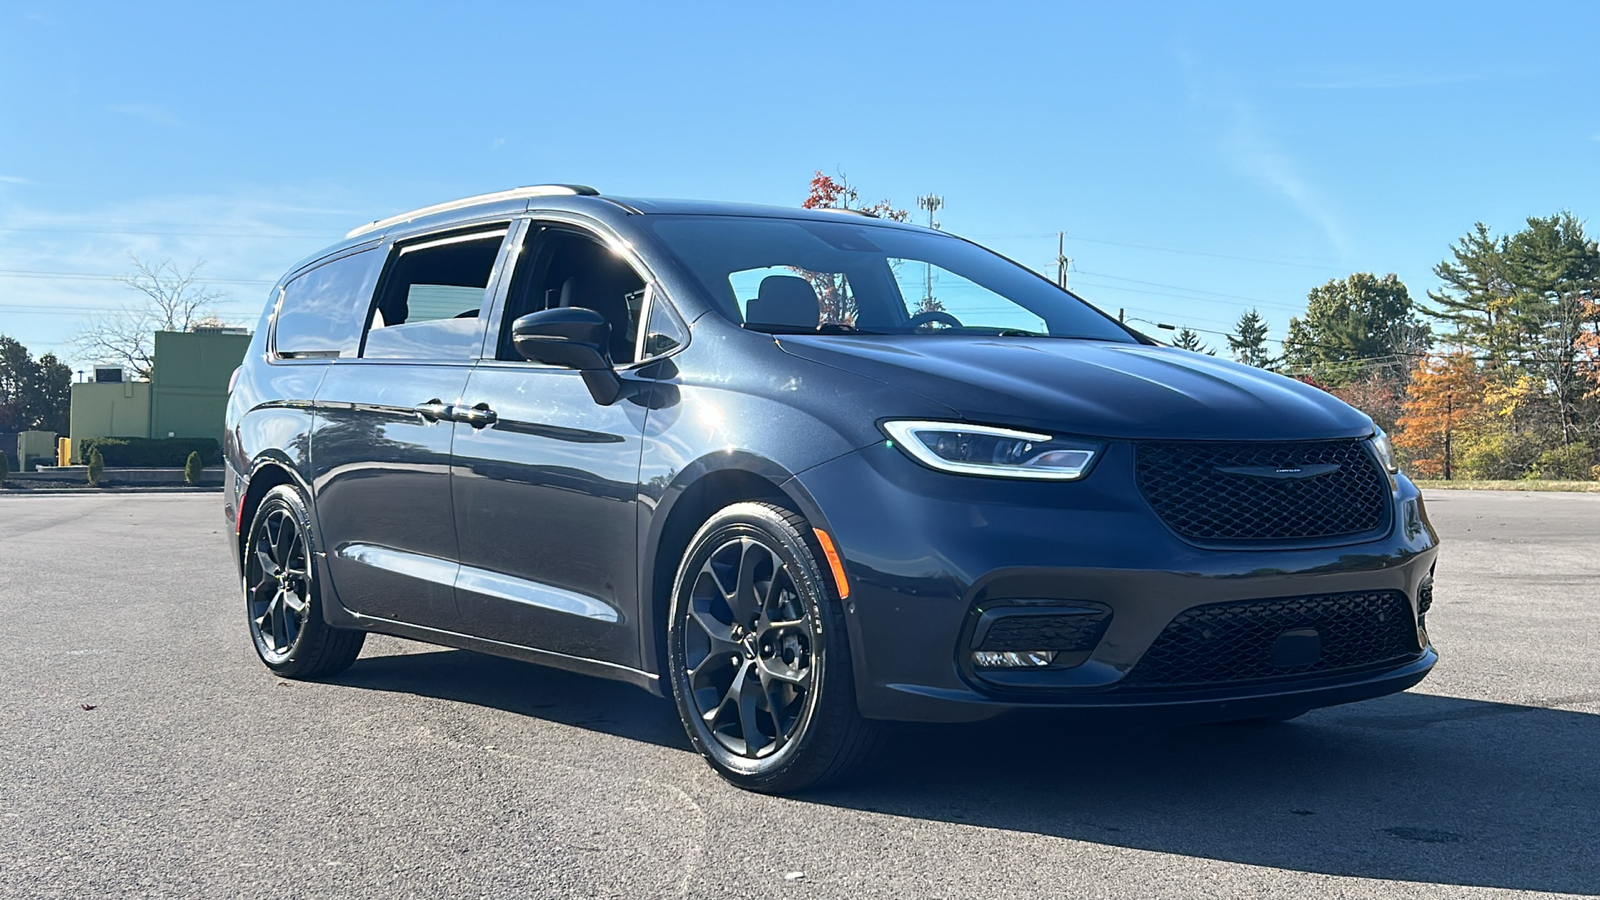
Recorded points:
(1530, 484)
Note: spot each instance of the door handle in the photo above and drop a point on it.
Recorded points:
(433, 410)
(477, 416)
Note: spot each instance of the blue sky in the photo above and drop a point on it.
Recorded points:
(1201, 158)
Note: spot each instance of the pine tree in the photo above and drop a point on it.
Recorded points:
(1249, 340)
(1526, 300)
(1188, 339)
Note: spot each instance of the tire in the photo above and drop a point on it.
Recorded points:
(283, 597)
(758, 656)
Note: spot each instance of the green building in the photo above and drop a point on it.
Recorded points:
(186, 396)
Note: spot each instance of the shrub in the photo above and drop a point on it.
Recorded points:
(1495, 453)
(151, 453)
(1574, 462)
(97, 467)
(191, 468)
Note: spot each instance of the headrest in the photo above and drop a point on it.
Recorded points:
(606, 298)
(785, 300)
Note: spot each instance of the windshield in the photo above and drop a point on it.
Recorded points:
(800, 275)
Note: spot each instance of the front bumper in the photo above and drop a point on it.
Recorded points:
(924, 551)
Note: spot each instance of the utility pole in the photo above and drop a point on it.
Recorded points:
(932, 203)
(1062, 262)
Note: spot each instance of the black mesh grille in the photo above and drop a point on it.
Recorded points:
(1226, 491)
(1230, 642)
(1067, 632)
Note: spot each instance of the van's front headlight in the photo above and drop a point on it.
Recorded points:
(1385, 451)
(996, 452)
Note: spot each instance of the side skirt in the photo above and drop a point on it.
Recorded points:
(335, 613)
(647, 680)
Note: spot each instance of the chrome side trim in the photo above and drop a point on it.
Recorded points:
(543, 596)
(411, 565)
(480, 581)
(537, 190)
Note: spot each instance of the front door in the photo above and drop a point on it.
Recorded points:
(546, 493)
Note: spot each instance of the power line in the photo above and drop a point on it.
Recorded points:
(1288, 261)
(1178, 287)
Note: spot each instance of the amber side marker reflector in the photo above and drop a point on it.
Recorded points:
(834, 563)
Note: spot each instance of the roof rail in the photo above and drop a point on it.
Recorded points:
(848, 212)
(534, 190)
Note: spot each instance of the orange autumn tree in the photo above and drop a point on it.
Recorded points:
(1588, 339)
(1445, 399)
(833, 291)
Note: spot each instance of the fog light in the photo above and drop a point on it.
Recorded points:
(991, 659)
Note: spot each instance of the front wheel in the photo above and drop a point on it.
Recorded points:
(283, 600)
(758, 655)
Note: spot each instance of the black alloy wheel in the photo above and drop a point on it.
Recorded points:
(280, 582)
(756, 641)
(282, 599)
(749, 656)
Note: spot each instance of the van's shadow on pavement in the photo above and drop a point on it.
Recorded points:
(1411, 787)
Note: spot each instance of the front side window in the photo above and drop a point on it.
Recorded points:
(566, 267)
(664, 331)
(431, 302)
(803, 275)
(320, 311)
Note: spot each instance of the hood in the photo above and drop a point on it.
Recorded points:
(1091, 388)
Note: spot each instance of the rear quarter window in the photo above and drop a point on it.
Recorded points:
(322, 311)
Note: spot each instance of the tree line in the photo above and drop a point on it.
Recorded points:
(35, 393)
(1497, 376)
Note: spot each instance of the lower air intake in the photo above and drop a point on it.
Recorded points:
(1226, 643)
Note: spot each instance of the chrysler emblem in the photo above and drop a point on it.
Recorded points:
(1281, 473)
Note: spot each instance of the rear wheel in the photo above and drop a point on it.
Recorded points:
(283, 601)
(758, 656)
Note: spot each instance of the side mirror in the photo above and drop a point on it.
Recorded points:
(572, 338)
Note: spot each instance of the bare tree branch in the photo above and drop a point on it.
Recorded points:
(172, 300)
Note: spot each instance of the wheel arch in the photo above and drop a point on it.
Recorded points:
(682, 509)
(266, 473)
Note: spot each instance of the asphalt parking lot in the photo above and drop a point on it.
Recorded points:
(432, 772)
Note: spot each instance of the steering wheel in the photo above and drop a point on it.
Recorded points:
(923, 319)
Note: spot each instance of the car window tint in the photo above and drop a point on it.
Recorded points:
(321, 310)
(432, 299)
